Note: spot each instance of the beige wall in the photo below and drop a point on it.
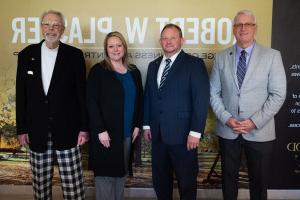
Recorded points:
(206, 25)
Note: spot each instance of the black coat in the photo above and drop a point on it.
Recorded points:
(105, 102)
(63, 110)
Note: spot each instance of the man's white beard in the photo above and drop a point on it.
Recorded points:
(51, 39)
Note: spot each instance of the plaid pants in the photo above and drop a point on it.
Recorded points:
(70, 170)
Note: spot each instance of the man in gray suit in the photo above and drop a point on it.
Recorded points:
(248, 87)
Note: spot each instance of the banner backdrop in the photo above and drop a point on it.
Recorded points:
(207, 28)
(285, 37)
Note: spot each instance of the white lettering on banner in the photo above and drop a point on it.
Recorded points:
(194, 31)
(294, 126)
(295, 71)
(75, 31)
(224, 24)
(104, 25)
(208, 25)
(18, 27)
(92, 39)
(102, 21)
(162, 22)
(207, 31)
(136, 28)
(35, 29)
(295, 66)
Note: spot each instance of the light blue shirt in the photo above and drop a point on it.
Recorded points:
(248, 54)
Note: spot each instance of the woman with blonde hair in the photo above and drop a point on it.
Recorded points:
(114, 100)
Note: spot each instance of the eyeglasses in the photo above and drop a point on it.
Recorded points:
(246, 25)
(47, 25)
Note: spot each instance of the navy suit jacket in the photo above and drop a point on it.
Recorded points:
(181, 105)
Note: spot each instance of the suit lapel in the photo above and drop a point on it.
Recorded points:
(174, 67)
(37, 59)
(231, 57)
(252, 63)
(177, 63)
(156, 67)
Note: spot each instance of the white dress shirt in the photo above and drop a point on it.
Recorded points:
(48, 62)
(163, 65)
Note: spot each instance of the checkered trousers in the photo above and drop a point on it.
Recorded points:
(70, 170)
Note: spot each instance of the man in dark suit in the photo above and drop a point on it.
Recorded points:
(175, 110)
(50, 109)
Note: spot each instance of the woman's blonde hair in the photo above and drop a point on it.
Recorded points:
(106, 62)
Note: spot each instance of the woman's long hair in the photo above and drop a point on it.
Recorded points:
(106, 63)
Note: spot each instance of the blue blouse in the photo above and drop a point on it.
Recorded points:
(129, 92)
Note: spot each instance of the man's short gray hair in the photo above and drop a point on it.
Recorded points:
(54, 12)
(244, 12)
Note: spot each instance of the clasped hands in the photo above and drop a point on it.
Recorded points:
(240, 127)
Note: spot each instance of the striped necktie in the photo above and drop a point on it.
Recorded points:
(165, 72)
(241, 68)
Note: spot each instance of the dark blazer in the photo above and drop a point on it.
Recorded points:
(63, 110)
(105, 103)
(182, 103)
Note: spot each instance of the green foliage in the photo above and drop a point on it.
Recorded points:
(8, 120)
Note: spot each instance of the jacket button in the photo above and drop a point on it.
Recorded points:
(46, 101)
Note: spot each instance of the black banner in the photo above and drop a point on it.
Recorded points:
(286, 39)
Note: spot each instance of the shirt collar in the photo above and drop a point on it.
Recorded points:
(248, 49)
(50, 50)
(173, 58)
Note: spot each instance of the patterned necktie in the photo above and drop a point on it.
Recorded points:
(241, 68)
(165, 72)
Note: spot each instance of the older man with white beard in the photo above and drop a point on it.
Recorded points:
(51, 110)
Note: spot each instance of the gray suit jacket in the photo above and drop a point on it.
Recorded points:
(260, 97)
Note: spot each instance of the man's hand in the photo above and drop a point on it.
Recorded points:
(147, 135)
(135, 134)
(245, 126)
(233, 123)
(23, 139)
(104, 139)
(192, 142)
(83, 137)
